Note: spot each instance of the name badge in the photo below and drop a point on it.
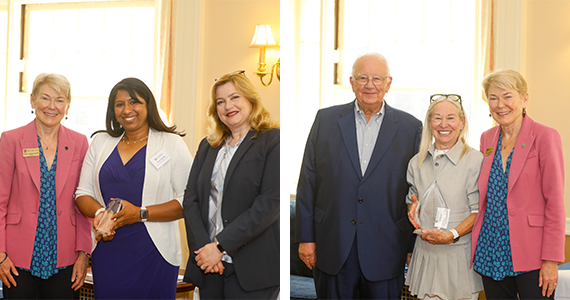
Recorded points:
(489, 151)
(160, 159)
(31, 152)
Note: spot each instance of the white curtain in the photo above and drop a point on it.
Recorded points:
(165, 56)
(486, 37)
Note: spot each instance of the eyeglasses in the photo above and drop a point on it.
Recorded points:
(452, 97)
(238, 72)
(376, 80)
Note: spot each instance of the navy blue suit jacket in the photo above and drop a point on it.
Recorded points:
(336, 204)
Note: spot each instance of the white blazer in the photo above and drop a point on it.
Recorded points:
(160, 185)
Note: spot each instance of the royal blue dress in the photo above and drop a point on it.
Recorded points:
(129, 266)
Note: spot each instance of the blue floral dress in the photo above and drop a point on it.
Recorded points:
(44, 255)
(493, 252)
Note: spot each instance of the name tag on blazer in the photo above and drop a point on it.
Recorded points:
(31, 152)
(160, 159)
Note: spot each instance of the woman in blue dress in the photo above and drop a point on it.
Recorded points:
(141, 161)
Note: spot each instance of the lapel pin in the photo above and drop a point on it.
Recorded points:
(523, 144)
(66, 148)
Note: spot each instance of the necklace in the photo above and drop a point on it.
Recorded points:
(505, 145)
(44, 144)
(135, 141)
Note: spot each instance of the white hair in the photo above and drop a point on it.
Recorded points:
(378, 56)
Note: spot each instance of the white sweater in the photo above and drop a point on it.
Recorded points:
(160, 185)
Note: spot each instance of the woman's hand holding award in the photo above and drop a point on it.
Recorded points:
(432, 211)
(106, 224)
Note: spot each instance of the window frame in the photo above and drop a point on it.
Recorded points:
(508, 37)
(15, 49)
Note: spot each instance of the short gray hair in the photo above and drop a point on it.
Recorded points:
(376, 55)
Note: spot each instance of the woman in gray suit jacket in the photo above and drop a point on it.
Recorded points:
(231, 202)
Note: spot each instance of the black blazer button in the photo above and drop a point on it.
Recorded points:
(226, 222)
(360, 200)
(353, 222)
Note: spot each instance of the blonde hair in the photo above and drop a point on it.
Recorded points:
(427, 136)
(505, 79)
(56, 81)
(259, 120)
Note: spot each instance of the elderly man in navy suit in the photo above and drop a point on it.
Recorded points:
(351, 220)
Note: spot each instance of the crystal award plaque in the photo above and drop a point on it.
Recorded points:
(432, 211)
(107, 220)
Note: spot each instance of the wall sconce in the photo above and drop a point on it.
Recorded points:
(263, 38)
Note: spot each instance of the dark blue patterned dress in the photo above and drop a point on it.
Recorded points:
(493, 253)
(44, 256)
(129, 266)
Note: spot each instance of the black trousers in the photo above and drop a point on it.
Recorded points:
(58, 286)
(226, 286)
(523, 286)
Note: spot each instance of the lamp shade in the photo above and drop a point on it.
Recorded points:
(262, 36)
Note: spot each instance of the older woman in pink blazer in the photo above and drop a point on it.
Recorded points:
(44, 239)
(518, 236)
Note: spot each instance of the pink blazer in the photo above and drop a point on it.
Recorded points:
(20, 196)
(535, 199)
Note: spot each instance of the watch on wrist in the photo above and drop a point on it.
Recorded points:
(144, 214)
(455, 235)
(220, 248)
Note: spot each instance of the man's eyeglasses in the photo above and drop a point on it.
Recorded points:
(452, 97)
(376, 80)
(232, 73)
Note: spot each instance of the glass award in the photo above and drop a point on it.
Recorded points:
(106, 224)
(432, 211)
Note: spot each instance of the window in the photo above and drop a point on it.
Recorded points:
(94, 45)
(430, 46)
